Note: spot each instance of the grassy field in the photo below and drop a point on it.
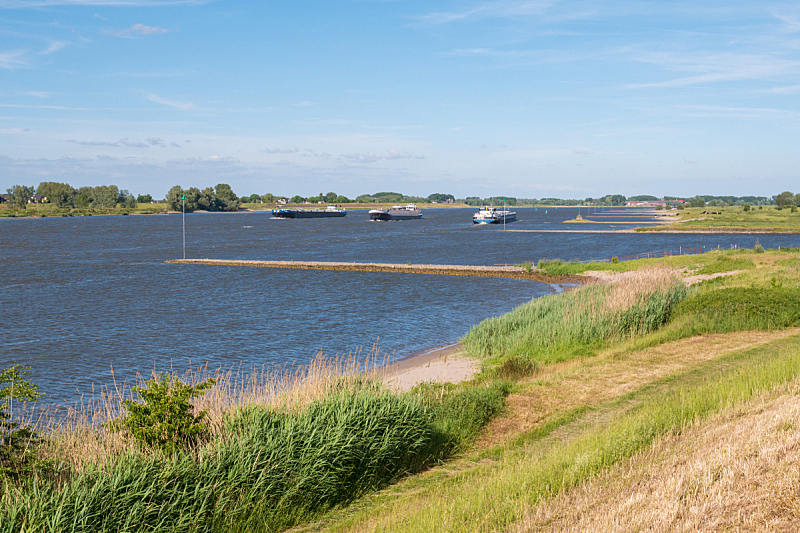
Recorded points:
(734, 219)
(588, 402)
(592, 424)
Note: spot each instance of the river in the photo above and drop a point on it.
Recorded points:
(80, 294)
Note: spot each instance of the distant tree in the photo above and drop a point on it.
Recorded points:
(297, 199)
(268, 198)
(82, 201)
(102, 196)
(207, 200)
(173, 197)
(253, 199)
(342, 200)
(144, 199)
(616, 199)
(642, 198)
(797, 199)
(784, 199)
(226, 199)
(330, 198)
(126, 199)
(440, 197)
(697, 201)
(19, 195)
(388, 197)
(61, 194)
(365, 199)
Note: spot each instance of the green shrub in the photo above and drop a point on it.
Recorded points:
(16, 442)
(165, 418)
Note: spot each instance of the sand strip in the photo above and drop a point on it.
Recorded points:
(447, 364)
(504, 271)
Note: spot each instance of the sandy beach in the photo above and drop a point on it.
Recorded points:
(447, 364)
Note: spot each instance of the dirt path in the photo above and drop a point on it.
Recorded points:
(560, 388)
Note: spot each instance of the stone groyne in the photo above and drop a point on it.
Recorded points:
(499, 271)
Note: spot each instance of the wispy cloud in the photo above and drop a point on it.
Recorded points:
(789, 89)
(178, 105)
(712, 68)
(735, 112)
(495, 9)
(204, 161)
(281, 150)
(371, 157)
(22, 4)
(125, 143)
(55, 46)
(12, 60)
(137, 29)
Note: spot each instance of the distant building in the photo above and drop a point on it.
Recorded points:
(282, 201)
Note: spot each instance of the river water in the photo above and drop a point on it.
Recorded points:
(82, 294)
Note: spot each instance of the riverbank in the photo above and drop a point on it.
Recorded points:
(613, 413)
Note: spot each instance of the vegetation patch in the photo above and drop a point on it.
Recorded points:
(264, 469)
(739, 309)
(575, 323)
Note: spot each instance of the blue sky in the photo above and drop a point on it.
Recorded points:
(513, 97)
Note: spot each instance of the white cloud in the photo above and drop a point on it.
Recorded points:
(55, 46)
(12, 60)
(139, 29)
(178, 105)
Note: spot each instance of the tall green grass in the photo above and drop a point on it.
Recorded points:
(739, 309)
(574, 323)
(266, 471)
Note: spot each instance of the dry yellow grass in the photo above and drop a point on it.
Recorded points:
(739, 471)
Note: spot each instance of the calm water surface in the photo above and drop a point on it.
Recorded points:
(82, 294)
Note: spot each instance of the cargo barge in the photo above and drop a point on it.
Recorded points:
(330, 211)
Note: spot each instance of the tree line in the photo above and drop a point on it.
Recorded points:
(222, 198)
(64, 196)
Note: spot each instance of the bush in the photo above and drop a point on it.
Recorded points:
(165, 420)
(746, 207)
(16, 442)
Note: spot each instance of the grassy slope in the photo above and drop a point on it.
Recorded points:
(562, 425)
(734, 218)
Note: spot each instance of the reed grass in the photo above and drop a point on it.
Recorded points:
(575, 323)
(284, 449)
